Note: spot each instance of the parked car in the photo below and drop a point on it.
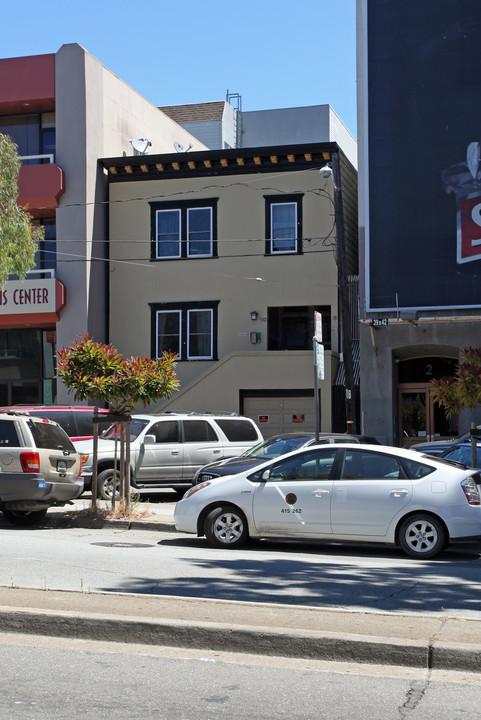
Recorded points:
(39, 467)
(76, 420)
(461, 452)
(343, 493)
(438, 447)
(271, 448)
(166, 450)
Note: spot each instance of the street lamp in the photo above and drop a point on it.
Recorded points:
(333, 170)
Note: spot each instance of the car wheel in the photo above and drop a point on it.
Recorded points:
(105, 484)
(422, 536)
(226, 527)
(24, 518)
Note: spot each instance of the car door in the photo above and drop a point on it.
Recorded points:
(201, 446)
(369, 491)
(162, 460)
(296, 497)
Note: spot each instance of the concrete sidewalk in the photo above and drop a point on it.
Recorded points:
(436, 642)
(218, 625)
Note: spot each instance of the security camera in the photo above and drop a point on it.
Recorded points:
(326, 171)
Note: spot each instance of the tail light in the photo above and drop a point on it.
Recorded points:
(30, 461)
(80, 467)
(471, 491)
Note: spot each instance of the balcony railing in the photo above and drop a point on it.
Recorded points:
(47, 156)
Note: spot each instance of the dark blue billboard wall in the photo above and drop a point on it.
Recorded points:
(424, 104)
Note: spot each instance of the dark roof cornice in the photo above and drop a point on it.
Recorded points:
(276, 158)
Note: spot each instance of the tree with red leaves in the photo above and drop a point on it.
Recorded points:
(99, 373)
(461, 391)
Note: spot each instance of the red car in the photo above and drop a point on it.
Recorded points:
(76, 420)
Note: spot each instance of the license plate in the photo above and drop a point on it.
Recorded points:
(61, 466)
(42, 484)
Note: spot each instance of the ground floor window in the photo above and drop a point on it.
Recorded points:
(27, 366)
(292, 328)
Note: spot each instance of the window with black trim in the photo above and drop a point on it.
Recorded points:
(292, 328)
(283, 224)
(183, 229)
(186, 329)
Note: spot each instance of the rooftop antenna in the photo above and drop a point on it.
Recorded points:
(141, 145)
(180, 148)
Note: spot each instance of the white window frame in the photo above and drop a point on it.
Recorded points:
(179, 240)
(168, 312)
(211, 352)
(273, 239)
(196, 209)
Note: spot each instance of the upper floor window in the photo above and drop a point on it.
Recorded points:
(46, 255)
(184, 229)
(187, 329)
(283, 224)
(34, 135)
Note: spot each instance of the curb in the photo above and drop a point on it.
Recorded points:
(339, 647)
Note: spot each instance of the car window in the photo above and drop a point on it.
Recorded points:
(84, 421)
(362, 464)
(312, 465)
(463, 455)
(8, 434)
(136, 427)
(166, 431)
(64, 418)
(50, 437)
(237, 430)
(199, 431)
(415, 470)
(272, 448)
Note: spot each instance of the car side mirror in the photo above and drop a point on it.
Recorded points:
(266, 475)
(149, 440)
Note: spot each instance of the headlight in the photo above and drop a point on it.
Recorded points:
(195, 489)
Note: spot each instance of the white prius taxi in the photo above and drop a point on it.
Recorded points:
(367, 493)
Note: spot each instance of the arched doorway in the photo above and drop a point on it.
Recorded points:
(420, 419)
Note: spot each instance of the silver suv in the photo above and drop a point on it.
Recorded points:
(39, 467)
(167, 450)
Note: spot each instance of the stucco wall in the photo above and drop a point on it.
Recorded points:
(96, 116)
(242, 278)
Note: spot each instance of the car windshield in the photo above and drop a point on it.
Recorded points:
(136, 427)
(275, 446)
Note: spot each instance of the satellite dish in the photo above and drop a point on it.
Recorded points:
(141, 145)
(180, 148)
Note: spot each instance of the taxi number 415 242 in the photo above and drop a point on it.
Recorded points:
(291, 510)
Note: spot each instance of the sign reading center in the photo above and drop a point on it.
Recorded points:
(31, 302)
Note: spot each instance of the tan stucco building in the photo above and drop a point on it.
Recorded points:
(223, 256)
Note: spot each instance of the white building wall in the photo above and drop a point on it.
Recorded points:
(96, 116)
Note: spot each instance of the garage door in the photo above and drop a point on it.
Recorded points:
(281, 414)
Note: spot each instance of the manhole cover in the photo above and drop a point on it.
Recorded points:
(122, 544)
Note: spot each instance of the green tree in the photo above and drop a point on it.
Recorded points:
(99, 373)
(18, 237)
(461, 391)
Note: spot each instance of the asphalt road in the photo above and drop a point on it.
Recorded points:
(55, 679)
(364, 578)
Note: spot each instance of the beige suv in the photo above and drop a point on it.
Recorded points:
(39, 467)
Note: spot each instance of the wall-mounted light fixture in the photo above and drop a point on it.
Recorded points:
(254, 314)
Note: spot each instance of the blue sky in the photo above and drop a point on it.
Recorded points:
(274, 53)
